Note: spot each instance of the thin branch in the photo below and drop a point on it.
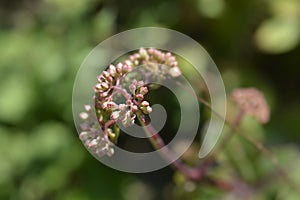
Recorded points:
(194, 174)
(257, 145)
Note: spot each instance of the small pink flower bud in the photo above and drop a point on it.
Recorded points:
(128, 62)
(168, 55)
(104, 94)
(150, 50)
(100, 78)
(131, 57)
(109, 79)
(127, 68)
(98, 86)
(143, 90)
(139, 97)
(105, 74)
(143, 54)
(104, 86)
(134, 108)
(145, 103)
(137, 56)
(112, 70)
(128, 102)
(148, 109)
(119, 68)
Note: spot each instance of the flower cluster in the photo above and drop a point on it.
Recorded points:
(92, 136)
(158, 63)
(118, 101)
(252, 102)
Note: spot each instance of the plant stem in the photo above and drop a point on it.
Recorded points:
(259, 146)
(194, 174)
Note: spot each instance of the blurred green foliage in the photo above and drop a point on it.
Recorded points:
(43, 42)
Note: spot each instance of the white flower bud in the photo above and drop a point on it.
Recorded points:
(83, 115)
(175, 72)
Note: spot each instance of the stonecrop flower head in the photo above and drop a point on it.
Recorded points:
(120, 96)
(252, 102)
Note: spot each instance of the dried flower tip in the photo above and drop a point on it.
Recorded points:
(252, 102)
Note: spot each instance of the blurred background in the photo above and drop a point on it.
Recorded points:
(254, 43)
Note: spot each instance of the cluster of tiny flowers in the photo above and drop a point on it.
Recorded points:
(109, 86)
(92, 135)
(125, 113)
(252, 102)
(159, 64)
